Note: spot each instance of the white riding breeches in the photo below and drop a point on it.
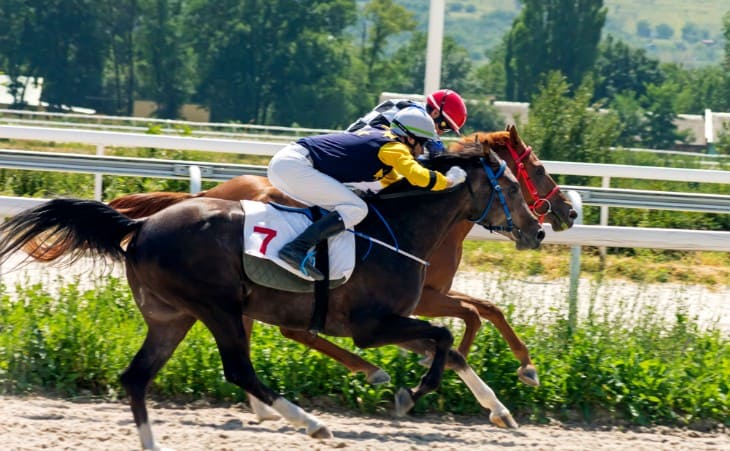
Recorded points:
(291, 171)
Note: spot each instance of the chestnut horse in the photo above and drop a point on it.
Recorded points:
(184, 265)
(437, 299)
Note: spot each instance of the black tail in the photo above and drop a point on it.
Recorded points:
(73, 228)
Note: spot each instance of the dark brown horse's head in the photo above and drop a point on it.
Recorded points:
(541, 192)
(498, 202)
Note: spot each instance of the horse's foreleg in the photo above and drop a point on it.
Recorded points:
(233, 346)
(375, 331)
(487, 310)
(262, 411)
(162, 339)
(351, 361)
(499, 414)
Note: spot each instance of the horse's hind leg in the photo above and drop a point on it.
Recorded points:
(353, 362)
(233, 346)
(162, 339)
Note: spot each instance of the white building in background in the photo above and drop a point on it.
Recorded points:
(32, 94)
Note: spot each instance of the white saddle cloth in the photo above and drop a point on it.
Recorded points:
(267, 229)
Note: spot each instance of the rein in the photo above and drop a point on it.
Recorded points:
(537, 201)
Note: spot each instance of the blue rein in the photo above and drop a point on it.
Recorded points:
(496, 192)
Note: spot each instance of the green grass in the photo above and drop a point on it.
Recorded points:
(609, 370)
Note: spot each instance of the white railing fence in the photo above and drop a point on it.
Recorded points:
(591, 235)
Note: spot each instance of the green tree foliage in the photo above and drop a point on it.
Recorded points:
(45, 39)
(643, 29)
(166, 64)
(118, 18)
(557, 35)
(664, 31)
(489, 79)
(407, 66)
(565, 127)
(382, 19)
(280, 64)
(692, 33)
(659, 104)
(699, 88)
(620, 68)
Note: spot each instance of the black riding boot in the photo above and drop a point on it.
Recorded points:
(295, 252)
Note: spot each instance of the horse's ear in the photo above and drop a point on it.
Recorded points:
(513, 135)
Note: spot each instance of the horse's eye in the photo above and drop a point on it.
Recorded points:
(540, 170)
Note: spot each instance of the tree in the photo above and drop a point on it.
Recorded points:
(565, 127)
(559, 35)
(691, 32)
(44, 39)
(659, 130)
(282, 64)
(664, 31)
(165, 61)
(406, 68)
(381, 20)
(119, 18)
(620, 68)
(643, 29)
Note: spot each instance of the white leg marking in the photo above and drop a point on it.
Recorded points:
(297, 416)
(481, 391)
(146, 437)
(263, 411)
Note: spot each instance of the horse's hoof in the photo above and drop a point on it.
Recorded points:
(528, 375)
(403, 402)
(378, 377)
(321, 432)
(503, 420)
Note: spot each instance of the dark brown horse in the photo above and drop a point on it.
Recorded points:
(437, 299)
(184, 264)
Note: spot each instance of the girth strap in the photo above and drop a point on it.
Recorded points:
(321, 287)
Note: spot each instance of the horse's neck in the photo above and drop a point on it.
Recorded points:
(419, 223)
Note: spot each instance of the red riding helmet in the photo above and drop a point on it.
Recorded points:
(451, 108)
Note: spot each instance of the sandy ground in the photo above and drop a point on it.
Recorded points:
(45, 423)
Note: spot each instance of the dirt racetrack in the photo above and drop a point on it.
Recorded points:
(46, 423)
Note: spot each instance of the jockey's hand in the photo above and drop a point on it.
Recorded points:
(455, 175)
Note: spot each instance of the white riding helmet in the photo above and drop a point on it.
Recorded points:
(413, 122)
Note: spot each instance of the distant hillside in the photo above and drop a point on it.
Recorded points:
(683, 31)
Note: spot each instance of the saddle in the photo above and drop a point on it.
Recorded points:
(268, 227)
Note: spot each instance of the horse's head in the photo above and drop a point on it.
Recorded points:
(541, 192)
(496, 200)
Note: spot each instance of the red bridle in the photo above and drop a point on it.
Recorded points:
(537, 201)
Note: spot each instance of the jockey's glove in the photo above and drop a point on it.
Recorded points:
(455, 175)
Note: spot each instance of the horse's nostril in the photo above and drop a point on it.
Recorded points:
(573, 214)
(541, 234)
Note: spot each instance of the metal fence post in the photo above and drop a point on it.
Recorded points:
(98, 178)
(195, 177)
(574, 264)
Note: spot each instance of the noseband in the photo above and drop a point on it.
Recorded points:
(521, 173)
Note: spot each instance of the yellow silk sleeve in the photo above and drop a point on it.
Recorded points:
(398, 156)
